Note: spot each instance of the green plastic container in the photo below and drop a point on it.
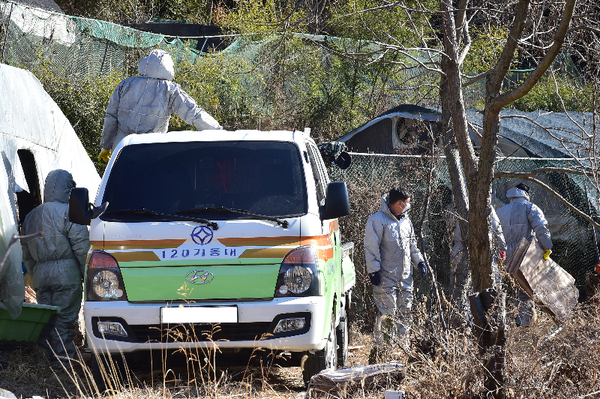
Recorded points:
(28, 326)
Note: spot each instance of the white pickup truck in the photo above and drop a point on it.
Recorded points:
(192, 230)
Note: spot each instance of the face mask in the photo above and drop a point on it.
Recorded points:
(406, 208)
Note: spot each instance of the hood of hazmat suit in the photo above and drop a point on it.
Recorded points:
(521, 218)
(158, 65)
(145, 103)
(390, 244)
(58, 186)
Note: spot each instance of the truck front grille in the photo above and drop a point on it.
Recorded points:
(117, 329)
(201, 332)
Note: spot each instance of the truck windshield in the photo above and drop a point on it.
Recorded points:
(214, 180)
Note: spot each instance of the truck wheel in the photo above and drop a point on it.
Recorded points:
(327, 358)
(342, 343)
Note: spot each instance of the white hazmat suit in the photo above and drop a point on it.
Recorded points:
(391, 249)
(56, 261)
(145, 103)
(521, 218)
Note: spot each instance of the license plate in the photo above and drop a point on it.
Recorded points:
(199, 314)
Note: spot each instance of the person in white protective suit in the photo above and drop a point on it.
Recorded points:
(521, 218)
(145, 103)
(460, 274)
(390, 252)
(56, 262)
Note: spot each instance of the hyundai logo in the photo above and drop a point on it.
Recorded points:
(199, 277)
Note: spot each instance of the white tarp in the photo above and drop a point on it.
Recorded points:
(30, 120)
(27, 18)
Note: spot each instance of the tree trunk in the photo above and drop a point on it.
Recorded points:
(488, 305)
(479, 175)
(489, 319)
(460, 263)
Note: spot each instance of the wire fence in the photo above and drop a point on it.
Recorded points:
(371, 175)
(79, 47)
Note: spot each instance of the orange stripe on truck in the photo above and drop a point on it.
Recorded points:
(259, 241)
(278, 253)
(142, 256)
(137, 244)
(322, 244)
(272, 247)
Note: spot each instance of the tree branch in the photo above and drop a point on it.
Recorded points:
(13, 240)
(508, 53)
(511, 96)
(475, 79)
(576, 28)
(461, 18)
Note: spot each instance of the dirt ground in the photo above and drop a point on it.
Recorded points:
(26, 372)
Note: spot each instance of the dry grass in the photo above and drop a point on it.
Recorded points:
(541, 363)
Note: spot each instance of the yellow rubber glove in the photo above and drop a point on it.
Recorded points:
(104, 155)
(547, 254)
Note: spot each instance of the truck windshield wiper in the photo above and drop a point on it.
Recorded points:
(145, 211)
(223, 209)
(141, 211)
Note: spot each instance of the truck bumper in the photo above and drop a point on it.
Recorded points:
(129, 327)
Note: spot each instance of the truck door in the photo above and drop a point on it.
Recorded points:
(319, 172)
(329, 228)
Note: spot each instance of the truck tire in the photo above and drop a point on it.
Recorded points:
(326, 358)
(342, 343)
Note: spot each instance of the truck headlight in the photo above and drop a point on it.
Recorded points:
(298, 274)
(106, 285)
(289, 325)
(111, 328)
(104, 281)
(298, 279)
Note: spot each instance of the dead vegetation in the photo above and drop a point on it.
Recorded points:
(543, 361)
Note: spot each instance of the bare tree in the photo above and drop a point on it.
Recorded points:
(526, 27)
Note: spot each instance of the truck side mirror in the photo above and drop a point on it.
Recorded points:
(343, 160)
(337, 202)
(80, 209)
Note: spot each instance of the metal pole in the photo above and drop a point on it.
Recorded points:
(104, 58)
